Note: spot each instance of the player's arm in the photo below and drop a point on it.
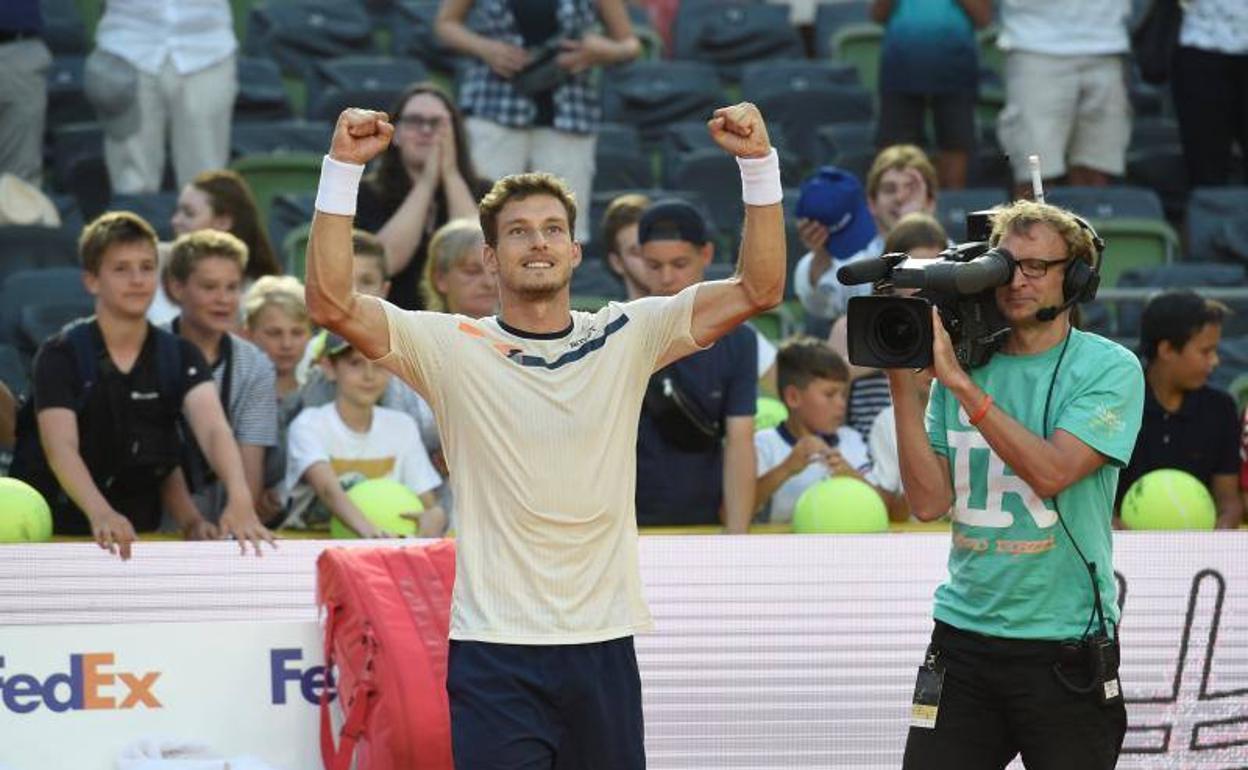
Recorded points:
(758, 284)
(739, 474)
(58, 433)
(359, 136)
(1225, 488)
(924, 473)
(203, 411)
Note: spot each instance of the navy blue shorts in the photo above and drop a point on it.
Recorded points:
(546, 707)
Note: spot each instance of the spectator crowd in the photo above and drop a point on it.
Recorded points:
(195, 395)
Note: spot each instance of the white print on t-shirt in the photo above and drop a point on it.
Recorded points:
(995, 481)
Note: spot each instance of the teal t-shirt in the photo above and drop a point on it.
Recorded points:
(1013, 572)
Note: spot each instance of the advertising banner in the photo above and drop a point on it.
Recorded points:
(770, 652)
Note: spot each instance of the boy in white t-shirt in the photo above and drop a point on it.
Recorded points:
(352, 438)
(813, 443)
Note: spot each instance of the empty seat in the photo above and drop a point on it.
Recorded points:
(619, 135)
(289, 211)
(372, 73)
(593, 279)
(833, 139)
(411, 35)
(952, 206)
(38, 322)
(1233, 352)
(270, 136)
(1107, 202)
(72, 142)
(1164, 170)
(715, 176)
(157, 208)
(13, 370)
(1154, 132)
(49, 285)
(617, 167)
(859, 45)
(800, 114)
(261, 92)
(831, 17)
(1134, 243)
(1177, 275)
(760, 78)
(1208, 211)
(67, 102)
(327, 104)
(651, 95)
(730, 33)
(273, 174)
(30, 247)
(298, 34)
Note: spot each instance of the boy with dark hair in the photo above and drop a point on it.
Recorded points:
(1187, 424)
(813, 443)
(107, 395)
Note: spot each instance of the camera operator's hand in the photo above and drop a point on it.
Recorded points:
(945, 366)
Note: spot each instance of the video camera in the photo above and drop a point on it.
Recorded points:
(891, 332)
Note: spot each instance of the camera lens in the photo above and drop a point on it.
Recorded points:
(896, 333)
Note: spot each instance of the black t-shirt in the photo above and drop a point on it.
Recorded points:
(1202, 438)
(124, 424)
(676, 487)
(371, 214)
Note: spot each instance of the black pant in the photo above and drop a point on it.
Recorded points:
(1211, 100)
(1001, 697)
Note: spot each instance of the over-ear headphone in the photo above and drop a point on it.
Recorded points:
(1081, 280)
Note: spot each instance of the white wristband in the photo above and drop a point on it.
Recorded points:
(340, 182)
(760, 180)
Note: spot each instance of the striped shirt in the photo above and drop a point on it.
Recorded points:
(868, 396)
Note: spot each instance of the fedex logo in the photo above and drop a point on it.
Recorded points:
(282, 672)
(90, 684)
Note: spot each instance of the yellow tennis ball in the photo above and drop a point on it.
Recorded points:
(381, 501)
(24, 514)
(769, 413)
(841, 504)
(1168, 499)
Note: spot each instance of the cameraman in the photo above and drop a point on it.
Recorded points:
(1024, 454)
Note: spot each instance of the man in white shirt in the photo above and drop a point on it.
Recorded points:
(183, 55)
(1065, 88)
(538, 411)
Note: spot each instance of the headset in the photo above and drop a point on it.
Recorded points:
(1081, 280)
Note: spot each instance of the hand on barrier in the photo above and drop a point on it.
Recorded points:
(241, 524)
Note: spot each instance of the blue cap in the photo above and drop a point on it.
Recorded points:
(834, 198)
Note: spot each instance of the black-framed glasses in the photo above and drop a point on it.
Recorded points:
(1037, 268)
(428, 124)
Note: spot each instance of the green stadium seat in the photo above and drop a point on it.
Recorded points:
(859, 44)
(1133, 243)
(295, 250)
(270, 175)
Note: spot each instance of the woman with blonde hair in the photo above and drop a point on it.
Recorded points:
(455, 279)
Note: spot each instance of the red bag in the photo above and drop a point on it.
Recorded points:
(386, 627)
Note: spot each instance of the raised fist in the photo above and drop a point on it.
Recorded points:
(740, 130)
(360, 136)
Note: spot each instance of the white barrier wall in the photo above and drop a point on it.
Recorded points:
(771, 651)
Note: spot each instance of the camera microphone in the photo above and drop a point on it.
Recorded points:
(868, 270)
(1053, 311)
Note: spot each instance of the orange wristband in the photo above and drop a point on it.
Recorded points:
(982, 411)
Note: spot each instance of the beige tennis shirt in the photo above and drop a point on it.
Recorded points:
(540, 434)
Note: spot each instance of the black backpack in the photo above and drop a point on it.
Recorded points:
(29, 463)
